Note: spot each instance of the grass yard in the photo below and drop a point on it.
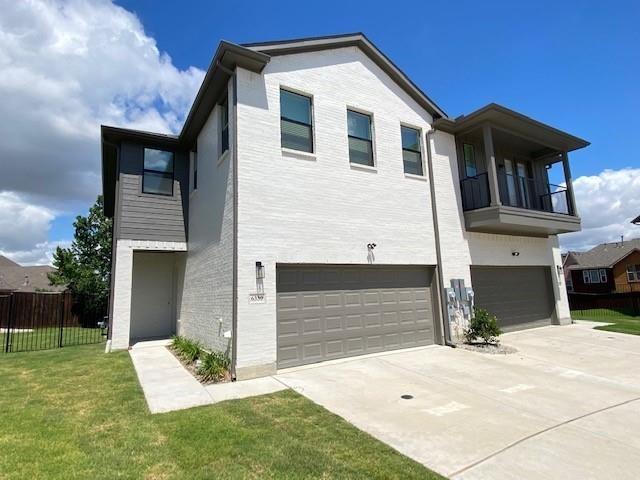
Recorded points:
(44, 338)
(78, 413)
(621, 323)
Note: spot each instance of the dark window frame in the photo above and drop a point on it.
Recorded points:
(195, 170)
(158, 172)
(224, 125)
(297, 122)
(370, 140)
(419, 151)
(464, 159)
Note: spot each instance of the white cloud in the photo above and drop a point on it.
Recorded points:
(607, 202)
(67, 67)
(24, 229)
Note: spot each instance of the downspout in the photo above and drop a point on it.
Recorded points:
(234, 303)
(441, 288)
(112, 275)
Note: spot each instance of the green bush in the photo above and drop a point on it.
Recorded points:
(483, 325)
(188, 350)
(214, 366)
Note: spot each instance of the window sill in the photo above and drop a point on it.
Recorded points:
(288, 152)
(366, 168)
(223, 157)
(415, 177)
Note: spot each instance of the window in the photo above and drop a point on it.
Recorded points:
(157, 175)
(194, 155)
(411, 152)
(594, 276)
(470, 166)
(295, 121)
(603, 275)
(360, 144)
(224, 125)
(633, 273)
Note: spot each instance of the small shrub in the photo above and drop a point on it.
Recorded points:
(188, 350)
(214, 367)
(483, 325)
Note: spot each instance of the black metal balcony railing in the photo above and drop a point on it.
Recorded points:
(515, 191)
(475, 192)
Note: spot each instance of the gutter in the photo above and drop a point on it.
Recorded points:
(441, 288)
(234, 303)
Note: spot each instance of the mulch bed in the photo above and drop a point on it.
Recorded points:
(491, 348)
(192, 368)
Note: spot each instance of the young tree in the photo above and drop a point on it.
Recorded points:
(85, 267)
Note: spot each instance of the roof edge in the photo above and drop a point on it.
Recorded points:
(358, 39)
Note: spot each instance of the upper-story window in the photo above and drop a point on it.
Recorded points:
(470, 165)
(224, 125)
(157, 175)
(633, 273)
(360, 143)
(296, 125)
(194, 156)
(411, 151)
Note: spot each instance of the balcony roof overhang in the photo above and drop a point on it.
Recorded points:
(515, 123)
(519, 221)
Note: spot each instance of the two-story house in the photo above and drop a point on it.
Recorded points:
(317, 204)
(606, 268)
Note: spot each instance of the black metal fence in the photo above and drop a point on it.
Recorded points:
(607, 305)
(40, 321)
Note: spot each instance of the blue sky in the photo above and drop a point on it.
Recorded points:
(570, 64)
(574, 65)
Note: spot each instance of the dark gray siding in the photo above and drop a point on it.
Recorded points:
(143, 216)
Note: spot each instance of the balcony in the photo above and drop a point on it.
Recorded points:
(515, 175)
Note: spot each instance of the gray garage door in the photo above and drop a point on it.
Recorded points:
(521, 297)
(330, 312)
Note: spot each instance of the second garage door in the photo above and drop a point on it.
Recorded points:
(520, 297)
(327, 312)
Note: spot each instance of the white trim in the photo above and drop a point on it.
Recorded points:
(298, 154)
(366, 168)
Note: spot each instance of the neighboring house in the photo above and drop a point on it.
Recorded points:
(317, 203)
(636, 221)
(606, 268)
(16, 278)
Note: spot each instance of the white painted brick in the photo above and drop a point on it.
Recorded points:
(206, 294)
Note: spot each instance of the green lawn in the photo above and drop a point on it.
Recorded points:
(44, 338)
(621, 323)
(78, 413)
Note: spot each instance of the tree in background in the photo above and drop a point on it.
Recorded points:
(85, 267)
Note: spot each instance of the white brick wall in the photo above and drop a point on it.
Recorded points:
(319, 210)
(205, 307)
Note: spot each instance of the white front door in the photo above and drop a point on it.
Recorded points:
(152, 295)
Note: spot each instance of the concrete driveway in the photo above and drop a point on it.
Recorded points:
(565, 406)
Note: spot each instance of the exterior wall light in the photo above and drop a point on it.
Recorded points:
(515, 254)
(259, 271)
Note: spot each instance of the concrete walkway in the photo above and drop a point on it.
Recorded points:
(565, 406)
(168, 386)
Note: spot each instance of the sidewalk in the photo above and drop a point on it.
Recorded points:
(168, 386)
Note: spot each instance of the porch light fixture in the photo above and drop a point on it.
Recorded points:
(259, 271)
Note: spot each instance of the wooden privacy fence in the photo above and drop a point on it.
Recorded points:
(37, 321)
(607, 303)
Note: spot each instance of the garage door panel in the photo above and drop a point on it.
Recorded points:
(393, 312)
(520, 297)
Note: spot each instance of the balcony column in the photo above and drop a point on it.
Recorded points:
(492, 173)
(571, 200)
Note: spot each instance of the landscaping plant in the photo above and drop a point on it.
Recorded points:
(188, 350)
(214, 367)
(483, 325)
